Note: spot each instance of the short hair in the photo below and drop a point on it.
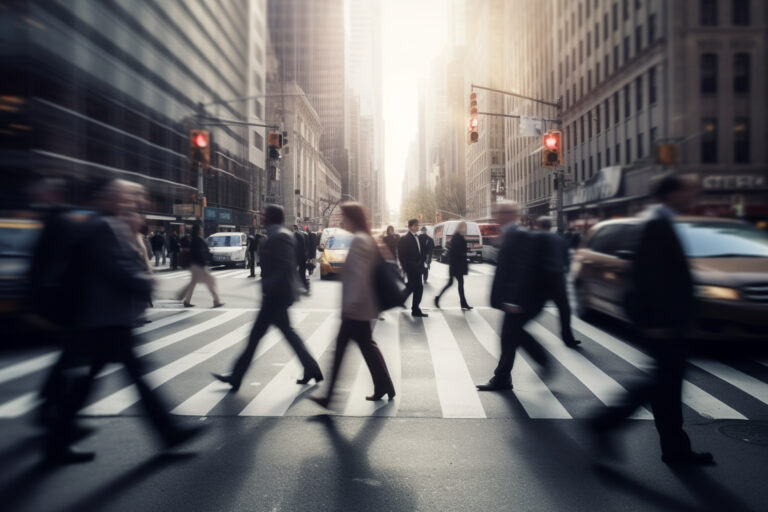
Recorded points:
(411, 222)
(544, 222)
(667, 185)
(424, 228)
(356, 215)
(273, 214)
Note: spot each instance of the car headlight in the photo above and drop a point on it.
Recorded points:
(716, 292)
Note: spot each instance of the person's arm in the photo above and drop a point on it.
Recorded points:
(108, 260)
(283, 270)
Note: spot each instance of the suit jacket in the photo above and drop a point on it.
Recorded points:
(115, 286)
(519, 272)
(661, 280)
(198, 251)
(427, 246)
(358, 294)
(554, 252)
(410, 253)
(457, 256)
(277, 255)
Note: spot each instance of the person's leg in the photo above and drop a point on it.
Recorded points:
(382, 382)
(342, 339)
(194, 272)
(531, 345)
(560, 297)
(252, 264)
(448, 285)
(283, 323)
(157, 258)
(509, 341)
(408, 288)
(260, 327)
(418, 291)
(210, 282)
(462, 298)
(667, 404)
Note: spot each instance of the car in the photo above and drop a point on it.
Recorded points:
(729, 265)
(18, 239)
(491, 233)
(443, 232)
(334, 251)
(229, 249)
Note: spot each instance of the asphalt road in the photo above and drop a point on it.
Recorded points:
(439, 445)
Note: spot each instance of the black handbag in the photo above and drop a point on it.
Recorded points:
(389, 285)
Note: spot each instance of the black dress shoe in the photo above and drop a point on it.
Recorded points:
(227, 379)
(375, 397)
(182, 435)
(689, 459)
(68, 456)
(467, 307)
(317, 376)
(493, 385)
(572, 343)
(437, 302)
(419, 314)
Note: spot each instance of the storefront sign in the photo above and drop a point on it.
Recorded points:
(218, 214)
(185, 210)
(606, 184)
(734, 182)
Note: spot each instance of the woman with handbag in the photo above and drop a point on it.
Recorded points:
(457, 265)
(359, 305)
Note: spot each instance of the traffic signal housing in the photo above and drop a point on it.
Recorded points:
(473, 123)
(666, 154)
(200, 148)
(275, 140)
(552, 151)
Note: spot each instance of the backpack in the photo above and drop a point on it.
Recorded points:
(388, 285)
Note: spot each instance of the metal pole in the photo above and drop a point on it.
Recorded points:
(559, 176)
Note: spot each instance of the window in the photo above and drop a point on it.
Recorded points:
(579, 15)
(560, 71)
(654, 135)
(597, 73)
(741, 72)
(617, 158)
(607, 156)
(616, 107)
(581, 86)
(741, 140)
(638, 5)
(581, 52)
(589, 44)
(639, 93)
(615, 57)
(589, 80)
(589, 124)
(638, 38)
(740, 12)
(615, 16)
(626, 49)
(625, 10)
(652, 85)
(588, 10)
(627, 102)
(639, 145)
(567, 65)
(582, 129)
(627, 151)
(708, 12)
(597, 119)
(651, 28)
(708, 73)
(257, 109)
(709, 141)
(567, 97)
(591, 167)
(606, 63)
(605, 26)
(258, 140)
(597, 35)
(607, 111)
(583, 170)
(599, 160)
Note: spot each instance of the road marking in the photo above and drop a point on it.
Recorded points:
(455, 389)
(535, 397)
(20, 406)
(734, 377)
(604, 387)
(228, 273)
(385, 333)
(202, 402)
(28, 366)
(121, 400)
(172, 275)
(154, 346)
(693, 396)
(172, 319)
(279, 394)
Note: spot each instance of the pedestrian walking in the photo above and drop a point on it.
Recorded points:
(301, 256)
(428, 246)
(457, 265)
(277, 255)
(661, 304)
(158, 246)
(411, 255)
(115, 288)
(359, 306)
(555, 261)
(174, 246)
(312, 241)
(198, 261)
(252, 247)
(517, 292)
(391, 240)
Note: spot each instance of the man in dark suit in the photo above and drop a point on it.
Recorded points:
(114, 289)
(411, 255)
(661, 304)
(555, 262)
(253, 246)
(301, 256)
(517, 291)
(428, 245)
(277, 255)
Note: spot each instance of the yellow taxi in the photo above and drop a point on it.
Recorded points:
(18, 237)
(334, 247)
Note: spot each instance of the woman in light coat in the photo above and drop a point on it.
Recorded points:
(359, 307)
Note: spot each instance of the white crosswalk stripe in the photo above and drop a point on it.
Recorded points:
(454, 384)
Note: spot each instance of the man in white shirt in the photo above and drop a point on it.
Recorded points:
(411, 255)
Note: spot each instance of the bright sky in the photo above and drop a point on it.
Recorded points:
(414, 33)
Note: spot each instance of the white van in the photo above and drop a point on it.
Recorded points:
(229, 248)
(443, 233)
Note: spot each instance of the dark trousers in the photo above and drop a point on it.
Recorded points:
(459, 279)
(85, 361)
(416, 287)
(662, 388)
(360, 331)
(277, 316)
(252, 263)
(559, 295)
(514, 335)
(174, 263)
(303, 275)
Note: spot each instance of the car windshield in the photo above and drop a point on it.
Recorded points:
(15, 241)
(339, 242)
(722, 240)
(224, 241)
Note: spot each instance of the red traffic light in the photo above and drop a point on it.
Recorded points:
(551, 142)
(200, 140)
(473, 123)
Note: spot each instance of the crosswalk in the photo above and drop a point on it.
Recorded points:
(435, 363)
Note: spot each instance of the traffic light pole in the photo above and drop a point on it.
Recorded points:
(560, 181)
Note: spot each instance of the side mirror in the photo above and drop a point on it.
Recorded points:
(624, 254)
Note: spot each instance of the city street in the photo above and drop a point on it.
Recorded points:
(439, 445)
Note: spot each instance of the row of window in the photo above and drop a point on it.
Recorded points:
(708, 73)
(614, 12)
(709, 14)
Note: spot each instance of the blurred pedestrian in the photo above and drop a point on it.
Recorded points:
(174, 246)
(312, 242)
(158, 246)
(661, 304)
(115, 288)
(198, 261)
(555, 261)
(411, 255)
(301, 256)
(457, 265)
(277, 255)
(391, 239)
(143, 236)
(359, 306)
(428, 246)
(253, 247)
(517, 292)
